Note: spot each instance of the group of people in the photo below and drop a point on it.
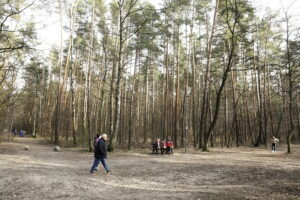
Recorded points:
(100, 151)
(20, 132)
(162, 146)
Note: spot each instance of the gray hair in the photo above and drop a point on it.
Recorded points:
(104, 135)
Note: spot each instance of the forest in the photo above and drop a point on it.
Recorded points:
(202, 73)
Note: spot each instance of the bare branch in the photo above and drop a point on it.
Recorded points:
(14, 13)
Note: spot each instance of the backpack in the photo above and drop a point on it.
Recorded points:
(96, 141)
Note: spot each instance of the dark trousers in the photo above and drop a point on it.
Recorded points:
(155, 149)
(164, 150)
(96, 163)
(170, 150)
(273, 147)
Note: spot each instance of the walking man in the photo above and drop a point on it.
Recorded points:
(100, 154)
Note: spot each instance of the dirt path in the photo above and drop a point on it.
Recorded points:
(244, 173)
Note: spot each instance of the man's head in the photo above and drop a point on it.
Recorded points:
(104, 136)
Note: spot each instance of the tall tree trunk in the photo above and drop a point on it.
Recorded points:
(259, 139)
(73, 101)
(290, 86)
(204, 108)
(102, 89)
(247, 112)
(146, 104)
(230, 60)
(131, 112)
(176, 127)
(226, 117)
(87, 92)
(166, 88)
(59, 88)
(235, 105)
(120, 67)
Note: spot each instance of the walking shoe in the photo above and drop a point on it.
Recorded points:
(96, 169)
(91, 173)
(108, 172)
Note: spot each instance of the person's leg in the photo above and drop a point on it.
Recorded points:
(95, 165)
(104, 164)
(272, 147)
(155, 150)
(171, 150)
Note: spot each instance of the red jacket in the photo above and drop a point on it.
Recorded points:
(170, 144)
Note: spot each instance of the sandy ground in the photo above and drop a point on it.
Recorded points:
(244, 173)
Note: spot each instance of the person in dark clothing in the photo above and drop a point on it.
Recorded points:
(100, 154)
(156, 146)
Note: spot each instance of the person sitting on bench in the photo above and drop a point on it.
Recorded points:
(170, 146)
(156, 146)
(163, 145)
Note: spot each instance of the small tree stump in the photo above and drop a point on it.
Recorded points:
(56, 148)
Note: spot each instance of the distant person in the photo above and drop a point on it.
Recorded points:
(156, 146)
(170, 146)
(15, 132)
(163, 145)
(274, 141)
(100, 154)
(21, 133)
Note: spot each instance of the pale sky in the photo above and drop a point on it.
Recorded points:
(48, 25)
